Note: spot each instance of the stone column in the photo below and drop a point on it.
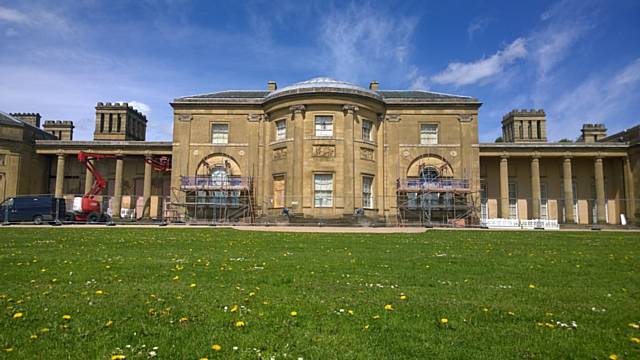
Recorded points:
(297, 175)
(348, 169)
(146, 190)
(504, 187)
(567, 179)
(600, 202)
(59, 191)
(630, 207)
(535, 187)
(380, 176)
(117, 191)
(88, 179)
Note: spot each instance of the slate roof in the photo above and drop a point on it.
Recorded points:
(326, 85)
(6, 119)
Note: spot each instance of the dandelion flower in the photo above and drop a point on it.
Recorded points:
(240, 324)
(366, 327)
(531, 286)
(99, 292)
(403, 297)
(388, 307)
(613, 357)
(376, 317)
(33, 336)
(511, 313)
(192, 285)
(9, 349)
(184, 319)
(634, 326)
(118, 357)
(44, 330)
(350, 312)
(444, 321)
(216, 347)
(204, 358)
(234, 308)
(176, 277)
(109, 323)
(635, 340)
(293, 313)
(18, 315)
(66, 317)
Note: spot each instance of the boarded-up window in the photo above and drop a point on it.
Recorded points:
(278, 191)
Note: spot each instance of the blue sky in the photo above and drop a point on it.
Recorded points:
(579, 60)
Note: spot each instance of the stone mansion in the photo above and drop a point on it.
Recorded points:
(331, 150)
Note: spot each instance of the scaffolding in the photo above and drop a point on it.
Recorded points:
(215, 200)
(431, 200)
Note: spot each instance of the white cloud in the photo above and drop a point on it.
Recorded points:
(600, 98)
(468, 73)
(478, 25)
(362, 42)
(12, 15)
(140, 106)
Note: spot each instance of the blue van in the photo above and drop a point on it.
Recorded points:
(36, 209)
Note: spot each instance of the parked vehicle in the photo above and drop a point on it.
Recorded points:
(36, 209)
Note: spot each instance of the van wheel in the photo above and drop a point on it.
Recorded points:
(37, 220)
(93, 218)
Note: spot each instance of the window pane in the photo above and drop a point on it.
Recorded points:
(429, 133)
(367, 192)
(513, 201)
(220, 133)
(281, 130)
(324, 125)
(366, 130)
(323, 190)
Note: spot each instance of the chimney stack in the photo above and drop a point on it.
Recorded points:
(373, 85)
(272, 86)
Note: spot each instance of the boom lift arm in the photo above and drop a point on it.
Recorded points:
(99, 182)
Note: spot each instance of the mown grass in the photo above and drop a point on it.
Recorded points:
(501, 292)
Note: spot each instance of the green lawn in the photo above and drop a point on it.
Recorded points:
(172, 291)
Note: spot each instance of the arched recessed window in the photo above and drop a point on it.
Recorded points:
(219, 175)
(429, 173)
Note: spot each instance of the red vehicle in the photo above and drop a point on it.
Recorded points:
(90, 209)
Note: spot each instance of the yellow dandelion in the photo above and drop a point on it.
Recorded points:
(33, 336)
(485, 309)
(350, 312)
(252, 294)
(18, 315)
(118, 357)
(634, 325)
(99, 292)
(293, 313)
(240, 324)
(388, 307)
(234, 308)
(192, 285)
(151, 312)
(635, 340)
(444, 321)
(109, 323)
(9, 349)
(66, 317)
(613, 357)
(176, 277)
(376, 317)
(204, 358)
(366, 327)
(44, 330)
(216, 347)
(531, 286)
(511, 313)
(403, 297)
(184, 319)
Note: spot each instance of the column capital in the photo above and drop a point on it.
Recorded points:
(535, 157)
(297, 109)
(568, 157)
(350, 109)
(60, 154)
(504, 157)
